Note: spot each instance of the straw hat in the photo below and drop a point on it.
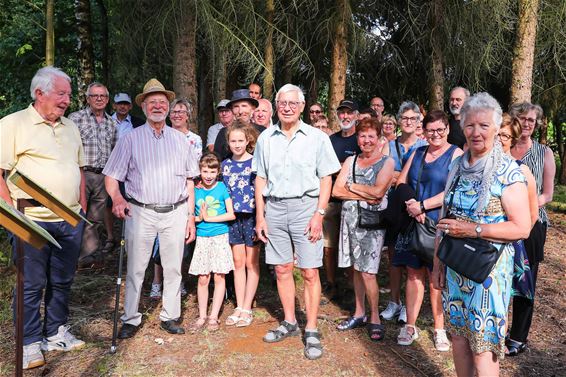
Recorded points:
(154, 86)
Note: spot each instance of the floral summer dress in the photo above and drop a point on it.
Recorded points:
(361, 247)
(478, 311)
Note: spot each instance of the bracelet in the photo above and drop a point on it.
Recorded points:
(423, 209)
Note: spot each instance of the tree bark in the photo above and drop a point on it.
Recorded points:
(339, 61)
(104, 30)
(543, 131)
(524, 51)
(220, 78)
(184, 60)
(84, 48)
(205, 106)
(269, 57)
(437, 58)
(50, 33)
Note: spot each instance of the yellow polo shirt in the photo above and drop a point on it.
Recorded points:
(49, 155)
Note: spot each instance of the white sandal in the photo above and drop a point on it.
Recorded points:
(441, 342)
(405, 338)
(233, 318)
(245, 321)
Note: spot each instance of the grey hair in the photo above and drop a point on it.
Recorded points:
(290, 88)
(517, 109)
(482, 101)
(406, 106)
(43, 79)
(266, 101)
(181, 101)
(96, 84)
(466, 91)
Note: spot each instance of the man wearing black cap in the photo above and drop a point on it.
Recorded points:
(345, 144)
(225, 117)
(242, 106)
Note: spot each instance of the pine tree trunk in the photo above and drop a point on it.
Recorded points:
(205, 106)
(437, 58)
(339, 60)
(184, 60)
(104, 36)
(269, 57)
(524, 51)
(84, 48)
(220, 77)
(50, 33)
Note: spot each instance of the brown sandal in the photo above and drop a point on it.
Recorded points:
(213, 324)
(197, 325)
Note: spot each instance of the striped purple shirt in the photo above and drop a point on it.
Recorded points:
(154, 168)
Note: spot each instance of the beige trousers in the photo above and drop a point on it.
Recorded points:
(141, 229)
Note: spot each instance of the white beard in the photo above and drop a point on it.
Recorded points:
(347, 126)
(455, 110)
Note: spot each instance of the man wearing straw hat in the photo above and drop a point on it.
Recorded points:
(156, 166)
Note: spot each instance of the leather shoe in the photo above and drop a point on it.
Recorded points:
(172, 327)
(127, 331)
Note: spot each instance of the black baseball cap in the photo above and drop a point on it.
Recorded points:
(347, 103)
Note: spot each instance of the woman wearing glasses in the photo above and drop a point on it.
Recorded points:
(425, 172)
(400, 149)
(315, 111)
(540, 160)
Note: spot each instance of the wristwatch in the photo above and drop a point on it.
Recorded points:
(321, 211)
(478, 230)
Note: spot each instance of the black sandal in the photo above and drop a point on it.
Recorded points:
(376, 331)
(351, 323)
(514, 348)
(311, 346)
(284, 330)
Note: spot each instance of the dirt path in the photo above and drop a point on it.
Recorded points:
(242, 352)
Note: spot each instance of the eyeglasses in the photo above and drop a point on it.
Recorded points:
(376, 105)
(315, 111)
(504, 137)
(179, 112)
(439, 131)
(98, 96)
(158, 103)
(527, 120)
(292, 104)
(409, 119)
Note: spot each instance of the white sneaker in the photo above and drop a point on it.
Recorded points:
(391, 311)
(402, 315)
(33, 357)
(63, 341)
(441, 342)
(155, 291)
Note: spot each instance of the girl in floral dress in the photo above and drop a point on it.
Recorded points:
(239, 178)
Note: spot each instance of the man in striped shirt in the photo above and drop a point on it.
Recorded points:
(157, 167)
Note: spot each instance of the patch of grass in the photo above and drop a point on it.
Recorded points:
(559, 202)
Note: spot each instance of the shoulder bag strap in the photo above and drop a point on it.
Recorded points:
(452, 191)
(398, 152)
(420, 172)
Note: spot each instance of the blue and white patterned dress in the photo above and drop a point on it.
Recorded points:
(478, 311)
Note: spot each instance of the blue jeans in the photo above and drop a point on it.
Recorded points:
(50, 269)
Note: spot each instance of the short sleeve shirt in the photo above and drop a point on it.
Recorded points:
(400, 160)
(51, 155)
(344, 146)
(215, 199)
(293, 167)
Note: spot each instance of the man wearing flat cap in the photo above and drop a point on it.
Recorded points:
(242, 106)
(125, 122)
(225, 118)
(157, 167)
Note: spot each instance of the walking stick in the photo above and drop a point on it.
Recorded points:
(118, 286)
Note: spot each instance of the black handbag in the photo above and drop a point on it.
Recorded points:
(421, 236)
(367, 219)
(472, 258)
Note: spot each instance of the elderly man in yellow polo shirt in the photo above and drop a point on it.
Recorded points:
(45, 146)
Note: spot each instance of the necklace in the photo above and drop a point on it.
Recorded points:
(437, 153)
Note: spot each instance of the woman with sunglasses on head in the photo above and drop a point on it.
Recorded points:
(540, 160)
(425, 172)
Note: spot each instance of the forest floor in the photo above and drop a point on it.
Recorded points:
(241, 351)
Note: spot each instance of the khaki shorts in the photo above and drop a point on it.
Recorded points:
(331, 225)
